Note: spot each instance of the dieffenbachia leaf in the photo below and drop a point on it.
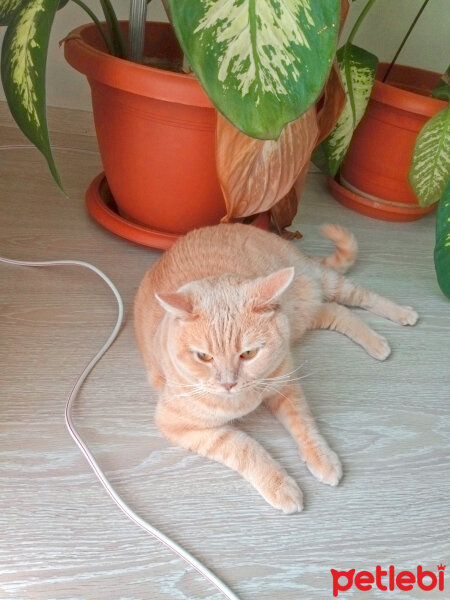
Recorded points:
(262, 62)
(9, 8)
(442, 90)
(24, 57)
(430, 165)
(255, 174)
(358, 68)
(442, 247)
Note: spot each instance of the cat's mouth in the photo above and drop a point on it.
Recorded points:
(235, 390)
(227, 392)
(230, 391)
(223, 390)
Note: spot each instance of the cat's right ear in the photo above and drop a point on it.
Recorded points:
(267, 290)
(178, 304)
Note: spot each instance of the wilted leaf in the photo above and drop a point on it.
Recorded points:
(262, 62)
(284, 211)
(345, 6)
(255, 174)
(442, 248)
(332, 104)
(358, 69)
(430, 165)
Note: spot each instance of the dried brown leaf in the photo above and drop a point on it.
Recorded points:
(331, 104)
(345, 5)
(255, 174)
(283, 213)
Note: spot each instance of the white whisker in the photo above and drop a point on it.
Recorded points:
(274, 383)
(182, 385)
(283, 379)
(191, 394)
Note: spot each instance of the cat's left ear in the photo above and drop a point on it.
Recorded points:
(267, 290)
(178, 304)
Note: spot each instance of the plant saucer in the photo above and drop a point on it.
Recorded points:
(103, 209)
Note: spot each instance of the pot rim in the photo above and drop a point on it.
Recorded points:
(390, 95)
(142, 80)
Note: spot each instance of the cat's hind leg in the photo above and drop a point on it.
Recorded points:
(337, 288)
(339, 318)
(290, 408)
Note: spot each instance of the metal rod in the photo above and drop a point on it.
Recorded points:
(422, 8)
(138, 14)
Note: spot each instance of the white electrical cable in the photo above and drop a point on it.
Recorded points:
(173, 546)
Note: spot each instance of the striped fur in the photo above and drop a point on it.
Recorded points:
(346, 248)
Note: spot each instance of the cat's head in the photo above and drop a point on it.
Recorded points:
(225, 334)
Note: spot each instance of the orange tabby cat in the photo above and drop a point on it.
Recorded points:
(215, 319)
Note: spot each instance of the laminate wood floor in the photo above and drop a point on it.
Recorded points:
(61, 537)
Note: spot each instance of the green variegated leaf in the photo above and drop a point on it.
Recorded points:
(442, 248)
(262, 62)
(24, 57)
(442, 90)
(430, 165)
(8, 8)
(358, 68)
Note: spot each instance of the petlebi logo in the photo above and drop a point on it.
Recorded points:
(388, 579)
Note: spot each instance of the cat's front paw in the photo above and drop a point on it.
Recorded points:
(379, 347)
(407, 316)
(325, 465)
(283, 494)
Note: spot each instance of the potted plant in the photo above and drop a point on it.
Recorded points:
(186, 149)
(373, 165)
(388, 156)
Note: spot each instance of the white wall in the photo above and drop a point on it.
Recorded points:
(381, 33)
(388, 21)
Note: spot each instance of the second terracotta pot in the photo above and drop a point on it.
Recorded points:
(377, 165)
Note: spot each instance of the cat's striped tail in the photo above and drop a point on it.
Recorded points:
(346, 248)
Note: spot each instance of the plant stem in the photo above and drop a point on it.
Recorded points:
(186, 67)
(422, 8)
(113, 24)
(360, 19)
(93, 16)
(136, 32)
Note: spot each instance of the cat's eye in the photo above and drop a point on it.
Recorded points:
(249, 354)
(204, 357)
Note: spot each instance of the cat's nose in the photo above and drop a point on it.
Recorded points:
(228, 386)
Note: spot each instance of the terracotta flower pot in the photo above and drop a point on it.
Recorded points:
(156, 133)
(374, 175)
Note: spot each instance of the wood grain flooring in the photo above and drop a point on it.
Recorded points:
(61, 538)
